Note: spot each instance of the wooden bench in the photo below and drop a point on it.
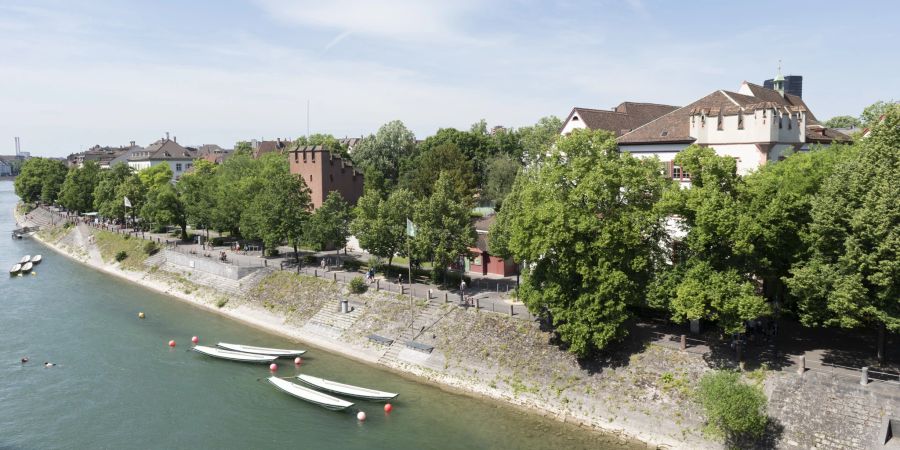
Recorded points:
(419, 346)
(380, 339)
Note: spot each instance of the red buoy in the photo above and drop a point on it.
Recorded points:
(273, 367)
(195, 339)
(171, 343)
(361, 416)
(388, 408)
(298, 360)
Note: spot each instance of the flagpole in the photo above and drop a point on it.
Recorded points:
(409, 259)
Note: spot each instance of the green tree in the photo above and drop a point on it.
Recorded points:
(444, 229)
(133, 189)
(733, 409)
(380, 223)
(537, 140)
(499, 177)
(162, 206)
(106, 200)
(198, 192)
(279, 209)
(383, 152)
(77, 192)
(40, 179)
(327, 141)
(237, 181)
(431, 163)
(722, 296)
(584, 223)
(329, 225)
(843, 122)
(475, 146)
(872, 113)
(852, 276)
(155, 175)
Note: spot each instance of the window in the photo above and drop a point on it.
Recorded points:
(740, 121)
(310, 177)
(720, 126)
(178, 167)
(574, 118)
(679, 174)
(304, 157)
(790, 125)
(781, 122)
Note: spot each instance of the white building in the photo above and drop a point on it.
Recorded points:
(619, 120)
(754, 125)
(164, 151)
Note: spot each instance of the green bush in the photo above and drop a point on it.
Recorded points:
(150, 248)
(733, 409)
(121, 255)
(272, 251)
(218, 241)
(351, 265)
(358, 285)
(310, 260)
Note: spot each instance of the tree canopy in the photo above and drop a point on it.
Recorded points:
(380, 155)
(77, 192)
(40, 180)
(329, 226)
(584, 223)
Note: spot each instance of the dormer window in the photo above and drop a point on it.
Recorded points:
(664, 134)
(781, 122)
(574, 118)
(790, 123)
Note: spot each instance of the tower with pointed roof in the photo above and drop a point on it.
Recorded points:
(778, 81)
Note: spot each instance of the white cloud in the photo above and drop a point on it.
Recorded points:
(405, 20)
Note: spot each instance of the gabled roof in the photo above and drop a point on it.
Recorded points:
(674, 127)
(770, 95)
(623, 118)
(264, 147)
(163, 150)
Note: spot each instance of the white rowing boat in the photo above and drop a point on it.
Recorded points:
(234, 356)
(315, 397)
(25, 259)
(15, 269)
(36, 259)
(276, 352)
(26, 267)
(346, 389)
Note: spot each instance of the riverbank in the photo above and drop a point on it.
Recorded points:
(637, 395)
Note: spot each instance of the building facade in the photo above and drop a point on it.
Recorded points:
(480, 261)
(164, 151)
(324, 171)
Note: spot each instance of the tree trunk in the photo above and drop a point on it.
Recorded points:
(881, 336)
(296, 253)
(184, 235)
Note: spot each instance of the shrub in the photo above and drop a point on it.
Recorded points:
(218, 241)
(272, 251)
(121, 255)
(150, 248)
(222, 302)
(310, 260)
(351, 265)
(358, 285)
(733, 409)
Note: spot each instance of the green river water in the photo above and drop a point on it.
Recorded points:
(118, 385)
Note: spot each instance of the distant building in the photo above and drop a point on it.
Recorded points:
(5, 169)
(324, 171)
(793, 84)
(350, 143)
(213, 153)
(105, 156)
(164, 151)
(262, 147)
(754, 125)
(619, 120)
(480, 261)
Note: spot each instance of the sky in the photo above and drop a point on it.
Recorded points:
(77, 73)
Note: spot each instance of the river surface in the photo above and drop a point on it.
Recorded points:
(118, 385)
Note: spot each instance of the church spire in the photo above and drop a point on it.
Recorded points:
(778, 82)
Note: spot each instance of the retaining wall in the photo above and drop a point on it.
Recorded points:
(209, 265)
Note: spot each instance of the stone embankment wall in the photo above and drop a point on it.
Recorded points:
(644, 391)
(210, 266)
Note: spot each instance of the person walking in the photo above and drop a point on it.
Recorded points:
(462, 292)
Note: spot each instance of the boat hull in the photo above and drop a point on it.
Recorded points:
(346, 389)
(233, 356)
(309, 395)
(277, 352)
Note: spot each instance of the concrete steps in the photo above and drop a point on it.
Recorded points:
(330, 317)
(424, 320)
(155, 260)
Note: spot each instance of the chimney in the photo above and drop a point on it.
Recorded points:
(175, 138)
(167, 135)
(132, 143)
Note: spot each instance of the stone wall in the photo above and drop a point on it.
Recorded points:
(821, 410)
(209, 265)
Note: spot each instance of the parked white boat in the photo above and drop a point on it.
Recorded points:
(316, 397)
(277, 352)
(15, 269)
(234, 356)
(36, 259)
(26, 267)
(25, 259)
(345, 389)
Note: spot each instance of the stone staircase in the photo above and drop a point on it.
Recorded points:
(331, 322)
(155, 260)
(427, 317)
